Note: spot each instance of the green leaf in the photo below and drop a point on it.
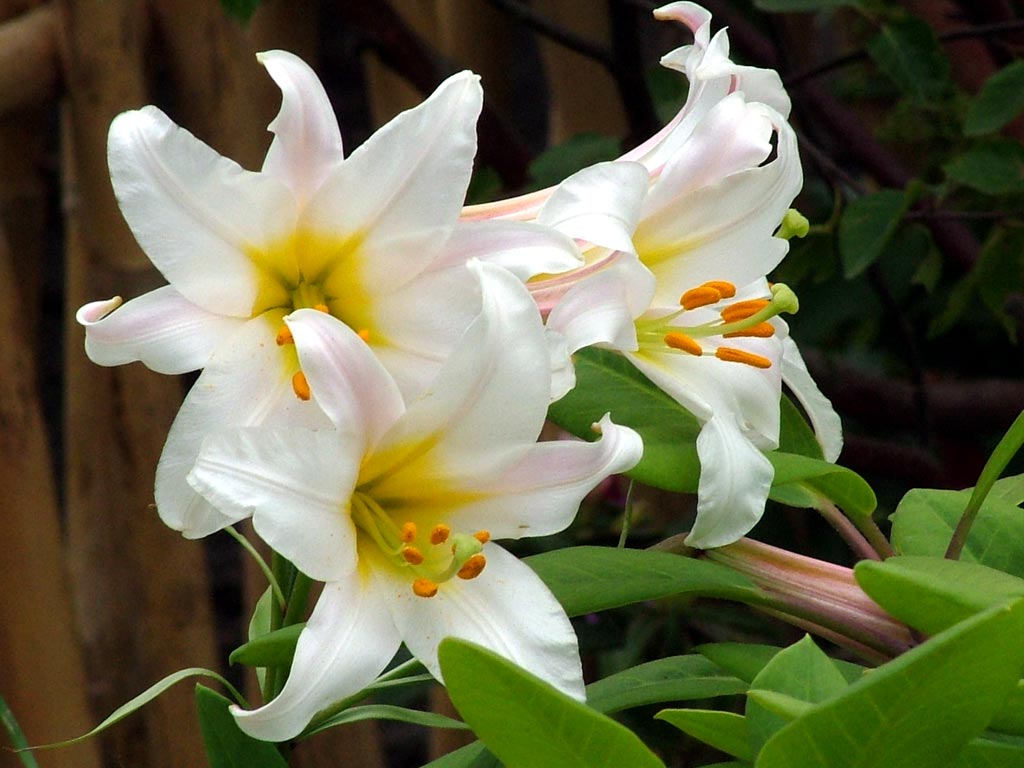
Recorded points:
(910, 55)
(387, 712)
(676, 678)
(554, 165)
(995, 167)
(273, 649)
(526, 723)
(746, 660)
(18, 741)
(802, 671)
(786, 708)
(242, 10)
(1000, 100)
(607, 382)
(144, 698)
(919, 710)
(800, 480)
(226, 745)
(795, 434)
(1010, 717)
(473, 755)
(796, 6)
(589, 579)
(985, 753)
(925, 520)
(931, 593)
(725, 731)
(867, 226)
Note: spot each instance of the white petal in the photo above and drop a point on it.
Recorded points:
(296, 483)
(523, 248)
(400, 193)
(346, 643)
(828, 427)
(506, 609)
(307, 142)
(162, 329)
(247, 383)
(734, 481)
(600, 204)
(346, 379)
(202, 220)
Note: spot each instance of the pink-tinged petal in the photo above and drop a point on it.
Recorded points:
(734, 481)
(600, 204)
(246, 383)
(307, 142)
(506, 609)
(489, 399)
(697, 18)
(399, 194)
(162, 329)
(601, 308)
(523, 248)
(542, 493)
(828, 427)
(346, 379)
(348, 640)
(202, 219)
(295, 483)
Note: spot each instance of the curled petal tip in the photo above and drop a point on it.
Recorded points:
(95, 311)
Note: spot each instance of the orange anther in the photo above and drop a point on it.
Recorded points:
(284, 336)
(741, 310)
(724, 287)
(412, 555)
(482, 536)
(408, 532)
(761, 331)
(683, 343)
(364, 334)
(733, 355)
(322, 308)
(440, 534)
(700, 297)
(472, 567)
(424, 588)
(301, 386)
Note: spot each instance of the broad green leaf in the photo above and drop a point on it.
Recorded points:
(242, 10)
(746, 660)
(226, 745)
(795, 434)
(986, 753)
(908, 52)
(802, 671)
(473, 755)
(800, 480)
(676, 678)
(144, 698)
(725, 731)
(786, 708)
(867, 226)
(387, 712)
(1010, 717)
(995, 167)
(273, 649)
(10, 724)
(796, 6)
(589, 579)
(554, 165)
(607, 382)
(526, 723)
(1000, 100)
(931, 593)
(920, 709)
(925, 520)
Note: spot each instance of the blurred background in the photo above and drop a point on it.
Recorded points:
(911, 285)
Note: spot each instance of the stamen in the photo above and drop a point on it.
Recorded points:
(700, 297)
(284, 336)
(322, 308)
(724, 287)
(424, 588)
(733, 355)
(761, 331)
(300, 386)
(741, 310)
(364, 334)
(683, 343)
(482, 536)
(412, 555)
(440, 534)
(408, 532)
(472, 567)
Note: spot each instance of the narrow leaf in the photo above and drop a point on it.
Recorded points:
(226, 745)
(725, 731)
(18, 740)
(388, 712)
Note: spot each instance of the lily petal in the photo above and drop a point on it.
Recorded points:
(294, 482)
(828, 427)
(348, 640)
(506, 609)
(200, 217)
(307, 141)
(523, 248)
(162, 329)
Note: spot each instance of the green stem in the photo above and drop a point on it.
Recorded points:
(627, 516)
(260, 562)
(1001, 456)
(856, 540)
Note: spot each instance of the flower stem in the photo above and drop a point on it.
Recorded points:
(260, 562)
(845, 528)
(627, 516)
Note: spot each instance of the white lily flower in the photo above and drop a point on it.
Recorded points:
(395, 507)
(371, 239)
